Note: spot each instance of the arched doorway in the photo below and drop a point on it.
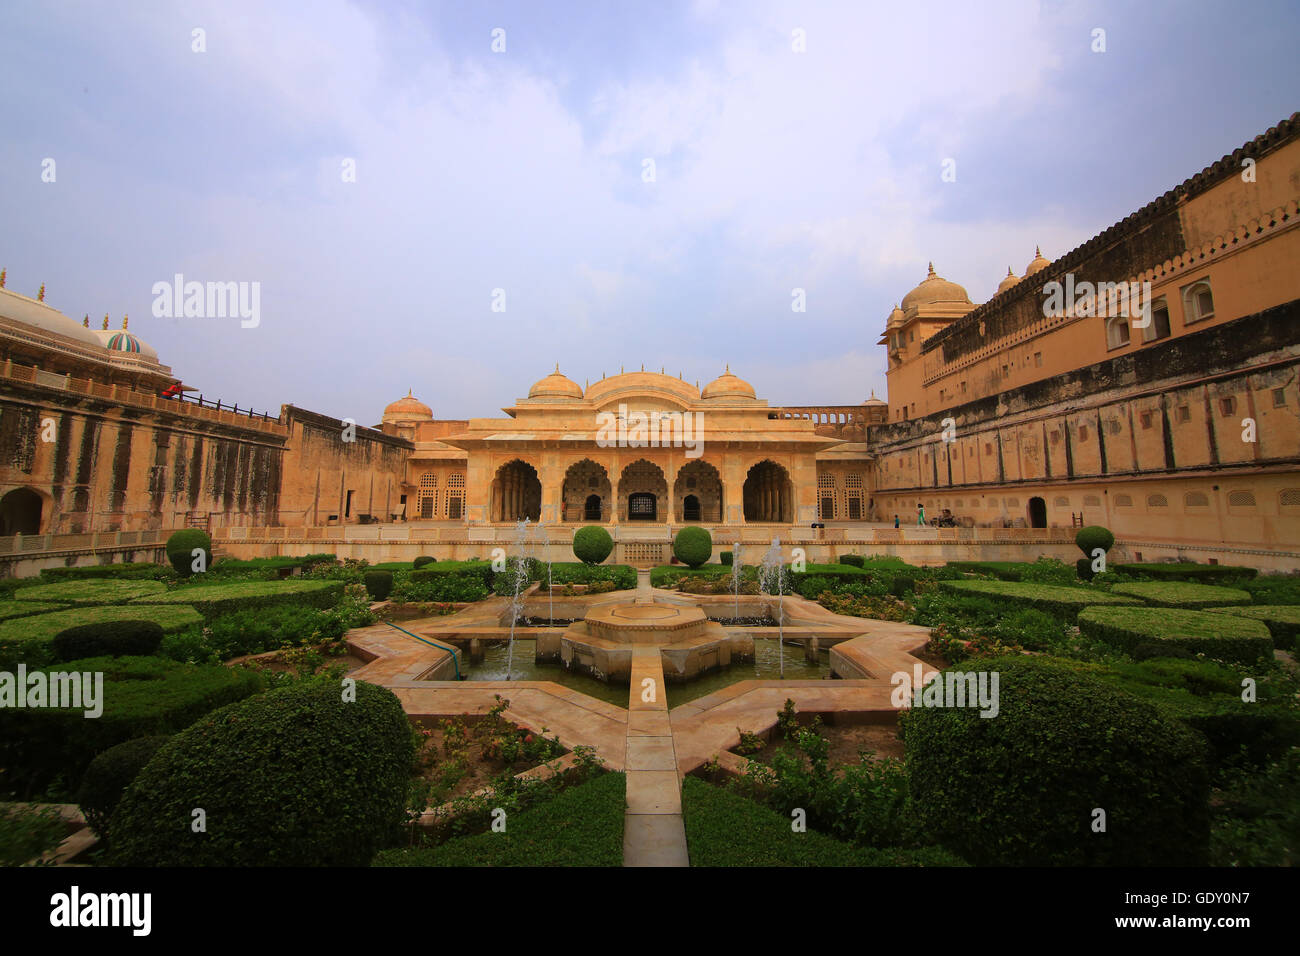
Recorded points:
(583, 481)
(701, 481)
(769, 494)
(641, 487)
(642, 506)
(20, 512)
(516, 492)
(1037, 513)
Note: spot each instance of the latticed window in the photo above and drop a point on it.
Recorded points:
(1123, 501)
(1091, 501)
(1061, 503)
(1196, 499)
(428, 495)
(1157, 501)
(826, 497)
(1289, 498)
(1241, 499)
(455, 496)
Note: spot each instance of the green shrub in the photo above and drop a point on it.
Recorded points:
(1274, 589)
(296, 777)
(1083, 569)
(426, 585)
(1092, 537)
(269, 629)
(12, 609)
(727, 829)
(422, 561)
(27, 832)
(1215, 635)
(852, 560)
(110, 774)
(622, 576)
(107, 639)
(181, 546)
(724, 557)
(1048, 571)
(379, 584)
(87, 593)
(1059, 601)
(1282, 621)
(139, 571)
(592, 544)
(29, 640)
(142, 696)
(1187, 571)
(693, 546)
(1257, 819)
(1179, 594)
(581, 826)
(1029, 628)
(214, 600)
(1021, 789)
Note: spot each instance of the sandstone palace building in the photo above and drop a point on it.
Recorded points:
(1176, 424)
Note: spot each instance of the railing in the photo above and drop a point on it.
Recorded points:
(98, 541)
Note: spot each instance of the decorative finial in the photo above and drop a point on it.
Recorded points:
(2, 278)
(661, 370)
(1009, 272)
(1038, 253)
(105, 321)
(728, 368)
(931, 269)
(643, 366)
(40, 296)
(125, 319)
(86, 321)
(586, 384)
(622, 369)
(557, 368)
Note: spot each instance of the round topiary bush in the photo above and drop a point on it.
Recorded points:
(592, 544)
(108, 639)
(1083, 568)
(110, 774)
(1092, 537)
(379, 584)
(1021, 788)
(180, 550)
(693, 546)
(296, 777)
(421, 561)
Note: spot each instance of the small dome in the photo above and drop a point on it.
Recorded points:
(895, 320)
(1008, 282)
(934, 290)
(873, 400)
(1038, 264)
(124, 344)
(407, 408)
(37, 315)
(727, 385)
(556, 385)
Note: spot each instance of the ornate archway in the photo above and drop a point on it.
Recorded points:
(642, 491)
(699, 480)
(583, 481)
(516, 492)
(769, 494)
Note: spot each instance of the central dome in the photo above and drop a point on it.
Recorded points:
(935, 289)
(39, 316)
(408, 408)
(642, 383)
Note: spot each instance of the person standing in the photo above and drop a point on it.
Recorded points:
(895, 522)
(920, 515)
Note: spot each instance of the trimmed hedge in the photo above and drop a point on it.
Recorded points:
(724, 557)
(1092, 537)
(1021, 789)
(180, 550)
(1179, 594)
(1057, 600)
(108, 639)
(592, 544)
(12, 609)
(1282, 621)
(422, 560)
(110, 774)
(379, 584)
(1215, 635)
(1004, 570)
(727, 829)
(296, 777)
(91, 592)
(132, 571)
(142, 696)
(693, 546)
(580, 826)
(214, 600)
(1187, 571)
(30, 639)
(852, 560)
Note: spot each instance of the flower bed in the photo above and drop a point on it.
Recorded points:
(86, 593)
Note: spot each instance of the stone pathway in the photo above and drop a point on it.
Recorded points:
(653, 832)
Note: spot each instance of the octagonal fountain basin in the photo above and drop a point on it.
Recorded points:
(646, 623)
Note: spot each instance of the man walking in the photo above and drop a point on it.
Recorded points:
(920, 515)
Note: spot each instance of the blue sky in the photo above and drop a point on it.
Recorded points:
(522, 171)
